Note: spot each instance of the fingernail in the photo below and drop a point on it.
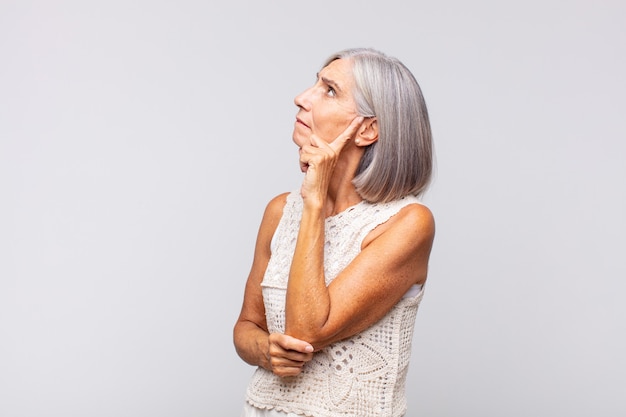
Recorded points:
(309, 348)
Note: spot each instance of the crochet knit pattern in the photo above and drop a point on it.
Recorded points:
(362, 376)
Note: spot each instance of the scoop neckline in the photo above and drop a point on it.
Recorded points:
(347, 210)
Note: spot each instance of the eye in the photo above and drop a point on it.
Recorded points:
(330, 91)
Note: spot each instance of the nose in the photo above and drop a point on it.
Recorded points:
(302, 100)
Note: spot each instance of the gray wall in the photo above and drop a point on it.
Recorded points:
(140, 142)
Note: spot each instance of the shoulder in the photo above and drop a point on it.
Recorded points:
(418, 215)
(416, 218)
(276, 205)
(274, 210)
(414, 222)
(271, 219)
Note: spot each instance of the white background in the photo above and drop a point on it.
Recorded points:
(141, 140)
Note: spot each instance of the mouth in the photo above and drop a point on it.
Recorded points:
(302, 123)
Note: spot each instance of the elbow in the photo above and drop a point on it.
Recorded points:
(318, 336)
(238, 339)
(309, 323)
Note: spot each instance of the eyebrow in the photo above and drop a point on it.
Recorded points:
(329, 82)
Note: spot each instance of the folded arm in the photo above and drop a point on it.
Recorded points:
(394, 256)
(284, 355)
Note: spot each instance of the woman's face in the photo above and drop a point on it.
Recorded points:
(327, 108)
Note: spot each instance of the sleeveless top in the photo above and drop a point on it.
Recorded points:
(361, 376)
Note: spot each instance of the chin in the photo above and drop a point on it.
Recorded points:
(296, 139)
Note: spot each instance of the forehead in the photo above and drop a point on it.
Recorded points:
(340, 71)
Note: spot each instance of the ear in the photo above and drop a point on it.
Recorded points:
(368, 132)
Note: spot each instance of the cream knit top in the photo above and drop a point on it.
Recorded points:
(362, 376)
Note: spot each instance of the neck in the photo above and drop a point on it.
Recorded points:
(341, 192)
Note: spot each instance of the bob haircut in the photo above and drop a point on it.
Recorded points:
(400, 162)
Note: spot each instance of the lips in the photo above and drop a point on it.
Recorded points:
(301, 122)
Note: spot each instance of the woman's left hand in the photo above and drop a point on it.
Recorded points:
(287, 355)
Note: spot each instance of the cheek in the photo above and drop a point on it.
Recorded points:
(330, 125)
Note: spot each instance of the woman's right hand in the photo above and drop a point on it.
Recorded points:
(287, 355)
(318, 160)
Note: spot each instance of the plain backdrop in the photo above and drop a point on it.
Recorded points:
(141, 140)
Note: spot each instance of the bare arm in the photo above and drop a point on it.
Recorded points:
(394, 256)
(282, 354)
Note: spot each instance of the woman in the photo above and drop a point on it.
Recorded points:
(339, 266)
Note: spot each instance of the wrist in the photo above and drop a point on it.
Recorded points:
(313, 203)
(263, 352)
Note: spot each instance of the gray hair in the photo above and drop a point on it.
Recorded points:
(400, 162)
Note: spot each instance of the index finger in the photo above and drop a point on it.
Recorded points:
(341, 140)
